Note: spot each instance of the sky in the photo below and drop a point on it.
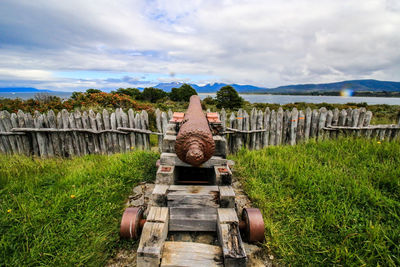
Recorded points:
(78, 44)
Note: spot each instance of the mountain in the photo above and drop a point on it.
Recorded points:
(22, 90)
(211, 88)
(355, 85)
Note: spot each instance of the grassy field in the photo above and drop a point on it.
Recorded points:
(331, 203)
(66, 212)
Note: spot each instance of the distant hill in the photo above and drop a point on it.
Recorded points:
(211, 88)
(22, 90)
(355, 85)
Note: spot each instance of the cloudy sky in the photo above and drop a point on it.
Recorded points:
(78, 44)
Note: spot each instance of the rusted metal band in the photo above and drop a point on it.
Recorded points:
(194, 142)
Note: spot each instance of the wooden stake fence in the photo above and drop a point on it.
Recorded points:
(81, 133)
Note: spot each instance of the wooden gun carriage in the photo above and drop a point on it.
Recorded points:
(193, 193)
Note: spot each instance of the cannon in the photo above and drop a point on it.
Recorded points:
(194, 142)
(193, 193)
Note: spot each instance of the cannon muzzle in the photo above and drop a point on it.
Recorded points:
(194, 142)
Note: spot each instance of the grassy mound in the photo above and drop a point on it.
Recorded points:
(66, 212)
(328, 203)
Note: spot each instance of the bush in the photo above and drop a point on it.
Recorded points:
(152, 94)
(183, 93)
(132, 92)
(228, 97)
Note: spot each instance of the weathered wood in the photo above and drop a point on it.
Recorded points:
(138, 123)
(18, 139)
(121, 139)
(193, 196)
(159, 128)
(49, 144)
(183, 254)
(368, 117)
(38, 122)
(293, 126)
(321, 124)
(5, 139)
(279, 124)
(63, 146)
(74, 135)
(253, 126)
(88, 137)
(286, 127)
(246, 127)
(229, 238)
(55, 140)
(102, 137)
(159, 195)
(307, 128)
(125, 123)
(107, 126)
(131, 117)
(145, 126)
(25, 138)
(158, 214)
(272, 129)
(232, 138)
(267, 115)
(329, 118)
(116, 140)
(226, 197)
(223, 118)
(349, 117)
(260, 125)
(193, 219)
(83, 137)
(239, 126)
(151, 244)
(314, 123)
(5, 118)
(300, 127)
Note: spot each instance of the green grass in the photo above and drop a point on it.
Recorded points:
(58, 212)
(327, 203)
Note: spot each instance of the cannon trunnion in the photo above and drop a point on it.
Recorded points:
(193, 193)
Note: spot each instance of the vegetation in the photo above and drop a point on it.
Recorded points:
(228, 97)
(332, 203)
(182, 94)
(66, 212)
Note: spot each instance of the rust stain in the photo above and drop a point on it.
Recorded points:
(165, 169)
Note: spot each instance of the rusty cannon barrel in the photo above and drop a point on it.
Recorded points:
(194, 142)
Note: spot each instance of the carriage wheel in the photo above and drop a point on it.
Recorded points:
(254, 225)
(131, 223)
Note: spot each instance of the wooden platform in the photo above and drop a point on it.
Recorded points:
(185, 254)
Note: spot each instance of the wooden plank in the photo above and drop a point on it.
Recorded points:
(307, 128)
(49, 144)
(272, 129)
(38, 122)
(223, 118)
(25, 138)
(355, 116)
(368, 117)
(5, 118)
(300, 127)
(5, 139)
(121, 139)
(253, 126)
(267, 115)
(314, 123)
(93, 126)
(279, 125)
(293, 126)
(107, 126)
(229, 238)
(18, 139)
(226, 197)
(159, 195)
(116, 140)
(159, 128)
(82, 137)
(232, 138)
(183, 254)
(145, 126)
(239, 125)
(68, 137)
(286, 127)
(138, 123)
(246, 127)
(102, 136)
(349, 117)
(131, 118)
(151, 244)
(259, 126)
(88, 137)
(55, 139)
(74, 135)
(193, 219)
(193, 196)
(64, 152)
(158, 214)
(321, 124)
(329, 118)
(125, 123)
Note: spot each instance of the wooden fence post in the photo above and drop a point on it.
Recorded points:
(267, 115)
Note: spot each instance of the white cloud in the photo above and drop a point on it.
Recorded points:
(266, 43)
